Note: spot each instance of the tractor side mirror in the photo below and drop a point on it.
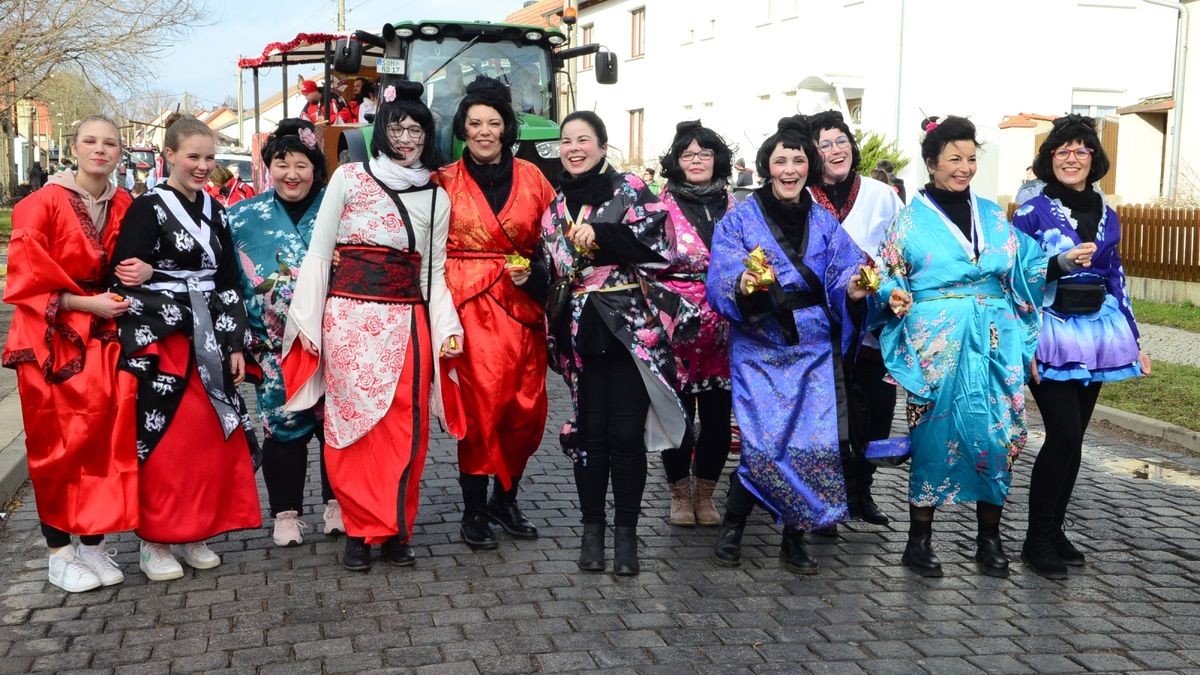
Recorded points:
(606, 67)
(347, 56)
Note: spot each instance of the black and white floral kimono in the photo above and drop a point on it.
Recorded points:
(177, 338)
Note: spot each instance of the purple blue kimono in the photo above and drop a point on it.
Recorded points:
(788, 396)
(1097, 347)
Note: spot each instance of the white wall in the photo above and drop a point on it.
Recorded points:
(1141, 146)
(981, 58)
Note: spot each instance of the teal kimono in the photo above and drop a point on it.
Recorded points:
(962, 353)
(271, 248)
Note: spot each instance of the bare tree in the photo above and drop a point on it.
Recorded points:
(106, 41)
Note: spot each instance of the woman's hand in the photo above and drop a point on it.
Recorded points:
(583, 236)
(1034, 377)
(452, 347)
(336, 259)
(519, 275)
(900, 302)
(104, 305)
(1144, 361)
(747, 283)
(133, 272)
(307, 345)
(237, 367)
(1082, 254)
(855, 291)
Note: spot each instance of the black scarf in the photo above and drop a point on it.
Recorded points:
(592, 187)
(838, 193)
(702, 205)
(792, 218)
(494, 180)
(297, 209)
(1086, 205)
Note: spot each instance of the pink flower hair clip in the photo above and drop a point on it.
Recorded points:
(930, 126)
(308, 138)
(389, 94)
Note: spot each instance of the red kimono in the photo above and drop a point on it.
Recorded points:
(79, 411)
(502, 374)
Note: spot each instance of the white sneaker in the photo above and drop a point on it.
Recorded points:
(289, 529)
(101, 562)
(197, 555)
(157, 563)
(333, 518)
(69, 573)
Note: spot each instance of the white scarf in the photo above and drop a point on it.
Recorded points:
(397, 177)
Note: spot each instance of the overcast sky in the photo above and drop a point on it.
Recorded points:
(205, 62)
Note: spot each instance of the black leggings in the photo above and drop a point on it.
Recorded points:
(613, 405)
(56, 538)
(1066, 409)
(711, 445)
(285, 468)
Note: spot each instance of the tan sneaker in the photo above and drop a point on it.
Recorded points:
(683, 512)
(706, 511)
(333, 518)
(289, 529)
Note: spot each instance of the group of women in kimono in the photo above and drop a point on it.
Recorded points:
(395, 291)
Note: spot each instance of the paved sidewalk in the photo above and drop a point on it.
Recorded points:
(525, 607)
(1172, 345)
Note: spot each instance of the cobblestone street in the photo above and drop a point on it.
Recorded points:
(525, 607)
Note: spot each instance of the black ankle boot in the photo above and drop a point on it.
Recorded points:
(1038, 551)
(918, 554)
(591, 549)
(989, 551)
(625, 550)
(502, 509)
(864, 508)
(1063, 546)
(397, 552)
(357, 555)
(475, 531)
(793, 554)
(728, 550)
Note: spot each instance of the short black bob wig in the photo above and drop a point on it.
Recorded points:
(495, 95)
(290, 136)
(1065, 131)
(832, 119)
(406, 102)
(793, 133)
(685, 133)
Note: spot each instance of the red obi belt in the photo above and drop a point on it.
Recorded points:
(377, 274)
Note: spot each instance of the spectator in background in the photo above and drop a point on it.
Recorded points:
(651, 182)
(893, 180)
(225, 187)
(745, 177)
(139, 189)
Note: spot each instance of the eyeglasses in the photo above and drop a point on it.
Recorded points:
(704, 155)
(397, 132)
(1081, 153)
(840, 141)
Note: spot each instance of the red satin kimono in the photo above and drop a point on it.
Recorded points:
(79, 411)
(502, 375)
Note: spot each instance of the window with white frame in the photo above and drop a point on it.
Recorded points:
(586, 38)
(637, 46)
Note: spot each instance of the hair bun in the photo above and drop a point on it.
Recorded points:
(929, 123)
(291, 126)
(1074, 119)
(687, 125)
(486, 87)
(826, 119)
(408, 89)
(795, 123)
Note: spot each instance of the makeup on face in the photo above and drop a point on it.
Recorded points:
(578, 148)
(97, 146)
(697, 163)
(789, 172)
(955, 166)
(407, 138)
(484, 132)
(1072, 164)
(192, 163)
(837, 153)
(292, 176)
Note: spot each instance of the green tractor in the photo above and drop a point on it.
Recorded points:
(447, 55)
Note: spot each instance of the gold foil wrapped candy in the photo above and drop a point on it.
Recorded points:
(516, 260)
(757, 263)
(868, 278)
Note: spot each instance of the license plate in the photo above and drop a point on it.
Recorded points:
(389, 66)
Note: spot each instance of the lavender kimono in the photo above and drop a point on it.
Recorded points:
(787, 389)
(702, 363)
(643, 317)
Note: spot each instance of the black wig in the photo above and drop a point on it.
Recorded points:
(296, 135)
(405, 102)
(832, 119)
(685, 133)
(1067, 130)
(940, 133)
(592, 120)
(793, 133)
(493, 94)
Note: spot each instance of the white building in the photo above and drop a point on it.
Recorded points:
(740, 66)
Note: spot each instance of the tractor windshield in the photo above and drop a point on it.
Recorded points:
(524, 68)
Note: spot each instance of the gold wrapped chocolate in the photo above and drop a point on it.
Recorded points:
(516, 260)
(868, 278)
(757, 263)
(453, 342)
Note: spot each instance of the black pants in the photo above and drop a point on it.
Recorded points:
(285, 468)
(1066, 409)
(740, 501)
(878, 399)
(56, 538)
(613, 405)
(711, 444)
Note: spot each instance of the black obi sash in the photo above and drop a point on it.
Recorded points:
(377, 274)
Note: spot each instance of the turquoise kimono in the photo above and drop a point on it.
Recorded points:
(963, 352)
(271, 248)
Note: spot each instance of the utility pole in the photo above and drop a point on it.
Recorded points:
(341, 18)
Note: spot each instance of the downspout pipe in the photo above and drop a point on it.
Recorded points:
(1181, 34)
